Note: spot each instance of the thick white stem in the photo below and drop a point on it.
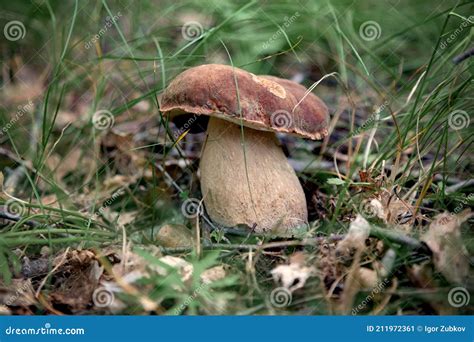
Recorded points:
(246, 179)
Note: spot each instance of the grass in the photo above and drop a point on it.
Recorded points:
(394, 94)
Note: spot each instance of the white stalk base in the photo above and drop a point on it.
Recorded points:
(258, 188)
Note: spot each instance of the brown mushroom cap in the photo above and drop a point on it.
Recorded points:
(265, 103)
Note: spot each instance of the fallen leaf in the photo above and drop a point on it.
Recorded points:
(174, 235)
(392, 210)
(19, 293)
(185, 269)
(367, 277)
(294, 275)
(126, 218)
(354, 240)
(444, 238)
(118, 181)
(213, 274)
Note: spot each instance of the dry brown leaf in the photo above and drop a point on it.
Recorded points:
(50, 201)
(392, 210)
(121, 147)
(118, 181)
(421, 275)
(122, 219)
(174, 235)
(22, 92)
(368, 278)
(19, 293)
(399, 213)
(354, 240)
(213, 274)
(70, 163)
(67, 117)
(184, 268)
(351, 287)
(5, 311)
(444, 238)
(126, 218)
(74, 273)
(294, 275)
(131, 268)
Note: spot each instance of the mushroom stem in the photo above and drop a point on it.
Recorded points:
(246, 179)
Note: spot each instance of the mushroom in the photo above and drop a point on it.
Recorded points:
(246, 178)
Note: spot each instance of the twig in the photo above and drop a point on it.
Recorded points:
(394, 236)
(455, 187)
(276, 244)
(463, 56)
(4, 214)
(9, 154)
(383, 234)
(197, 227)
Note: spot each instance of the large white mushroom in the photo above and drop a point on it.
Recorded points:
(245, 176)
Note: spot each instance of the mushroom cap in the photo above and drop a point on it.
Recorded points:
(264, 103)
